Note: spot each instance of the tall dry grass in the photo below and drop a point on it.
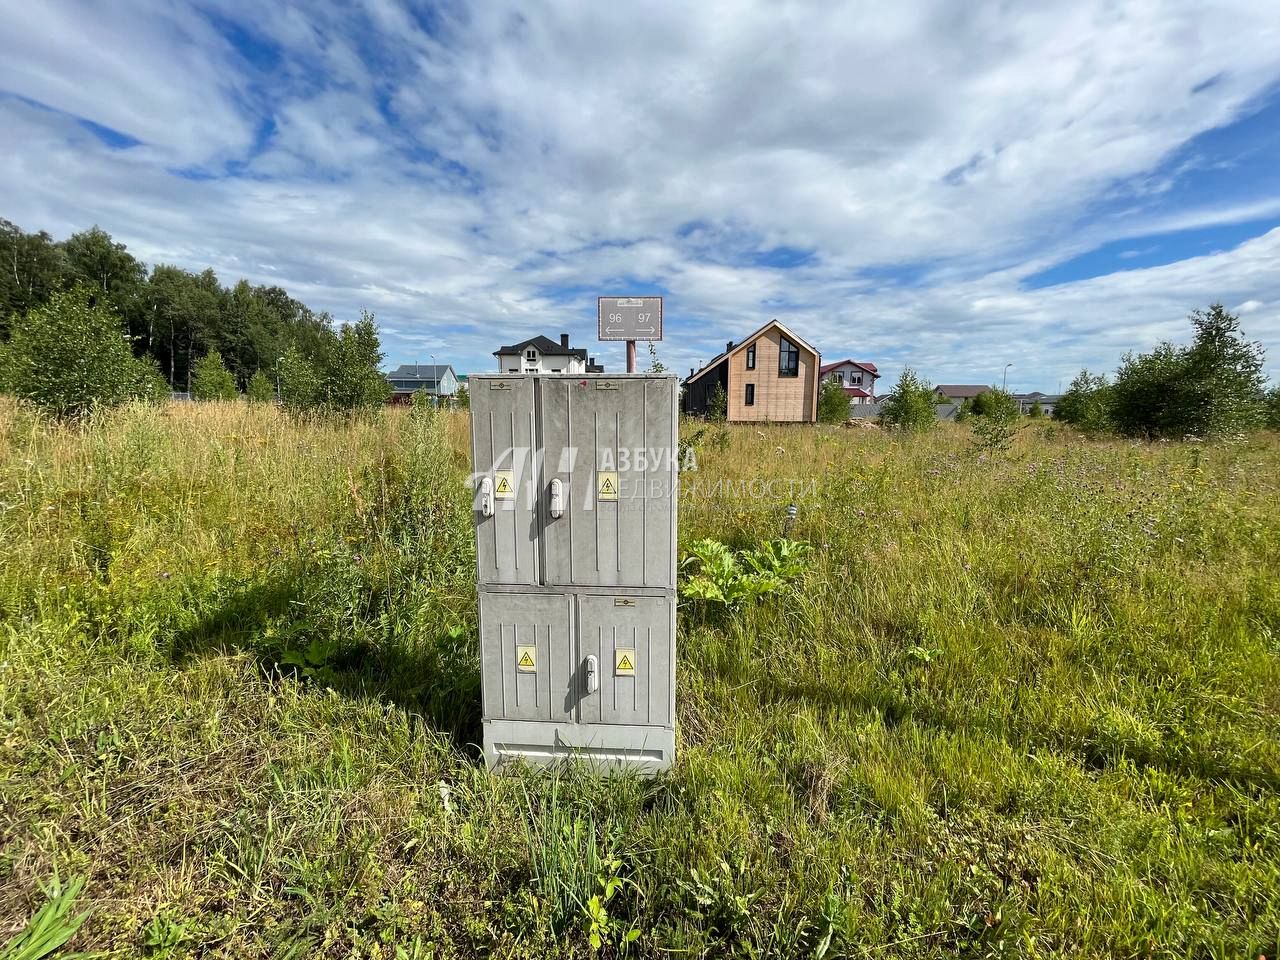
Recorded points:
(1022, 704)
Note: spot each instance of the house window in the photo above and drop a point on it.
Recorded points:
(750, 399)
(855, 379)
(836, 377)
(531, 355)
(751, 357)
(788, 358)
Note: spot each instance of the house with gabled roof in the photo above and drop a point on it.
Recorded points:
(434, 379)
(856, 377)
(544, 355)
(771, 375)
(960, 392)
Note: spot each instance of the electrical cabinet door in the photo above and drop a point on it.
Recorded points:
(503, 441)
(527, 656)
(611, 442)
(630, 637)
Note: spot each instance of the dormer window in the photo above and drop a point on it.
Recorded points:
(531, 355)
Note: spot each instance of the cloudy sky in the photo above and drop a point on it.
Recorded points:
(951, 186)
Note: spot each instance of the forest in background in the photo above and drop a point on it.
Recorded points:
(171, 315)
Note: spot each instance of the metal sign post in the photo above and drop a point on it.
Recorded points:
(629, 319)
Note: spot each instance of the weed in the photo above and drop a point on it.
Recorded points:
(1028, 708)
(716, 574)
(51, 927)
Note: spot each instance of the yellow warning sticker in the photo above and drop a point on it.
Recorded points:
(526, 658)
(606, 484)
(504, 485)
(624, 661)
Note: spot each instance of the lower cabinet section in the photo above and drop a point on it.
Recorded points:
(526, 656)
(578, 674)
(646, 750)
(631, 640)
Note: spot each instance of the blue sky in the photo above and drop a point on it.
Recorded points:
(948, 186)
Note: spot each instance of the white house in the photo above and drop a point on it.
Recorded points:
(1048, 402)
(857, 377)
(543, 355)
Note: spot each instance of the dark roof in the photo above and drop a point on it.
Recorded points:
(961, 391)
(543, 345)
(828, 367)
(742, 344)
(419, 371)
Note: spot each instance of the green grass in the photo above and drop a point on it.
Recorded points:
(1025, 704)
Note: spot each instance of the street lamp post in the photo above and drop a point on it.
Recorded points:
(1005, 381)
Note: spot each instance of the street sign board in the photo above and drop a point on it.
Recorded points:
(630, 318)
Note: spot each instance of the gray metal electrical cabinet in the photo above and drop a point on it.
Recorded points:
(575, 483)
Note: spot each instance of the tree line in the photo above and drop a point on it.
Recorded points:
(1212, 387)
(84, 322)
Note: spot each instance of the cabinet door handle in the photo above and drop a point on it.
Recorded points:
(557, 499)
(486, 497)
(593, 674)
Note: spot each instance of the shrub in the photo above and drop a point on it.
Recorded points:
(1036, 412)
(716, 574)
(1273, 408)
(299, 382)
(353, 380)
(992, 433)
(212, 380)
(1213, 387)
(994, 404)
(1086, 404)
(71, 355)
(718, 405)
(912, 405)
(833, 403)
(259, 389)
(343, 374)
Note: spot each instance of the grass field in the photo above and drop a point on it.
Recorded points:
(1025, 704)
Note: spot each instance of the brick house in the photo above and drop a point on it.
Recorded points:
(771, 376)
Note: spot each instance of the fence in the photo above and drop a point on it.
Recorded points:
(872, 411)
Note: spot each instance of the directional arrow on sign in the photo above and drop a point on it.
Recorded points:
(630, 318)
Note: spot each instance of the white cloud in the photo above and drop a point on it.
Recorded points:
(158, 74)
(590, 146)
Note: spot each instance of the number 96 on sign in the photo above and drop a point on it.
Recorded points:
(630, 318)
